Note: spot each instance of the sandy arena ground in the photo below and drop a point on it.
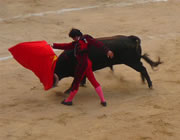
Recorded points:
(134, 112)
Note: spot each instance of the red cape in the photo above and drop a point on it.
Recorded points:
(39, 57)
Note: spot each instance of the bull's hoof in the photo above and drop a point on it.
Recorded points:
(103, 103)
(66, 103)
(150, 85)
(82, 85)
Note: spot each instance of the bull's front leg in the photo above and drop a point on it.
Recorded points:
(82, 84)
(67, 91)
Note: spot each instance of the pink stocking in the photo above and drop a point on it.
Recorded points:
(71, 96)
(100, 93)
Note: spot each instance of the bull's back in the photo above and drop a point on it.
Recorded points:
(124, 48)
(119, 42)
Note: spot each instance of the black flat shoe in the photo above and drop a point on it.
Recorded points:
(66, 103)
(103, 103)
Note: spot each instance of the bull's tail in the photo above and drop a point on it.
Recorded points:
(145, 56)
(151, 62)
(135, 38)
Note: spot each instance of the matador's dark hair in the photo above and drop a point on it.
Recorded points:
(75, 32)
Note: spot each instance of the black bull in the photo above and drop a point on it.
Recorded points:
(127, 50)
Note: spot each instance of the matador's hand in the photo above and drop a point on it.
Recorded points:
(110, 54)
